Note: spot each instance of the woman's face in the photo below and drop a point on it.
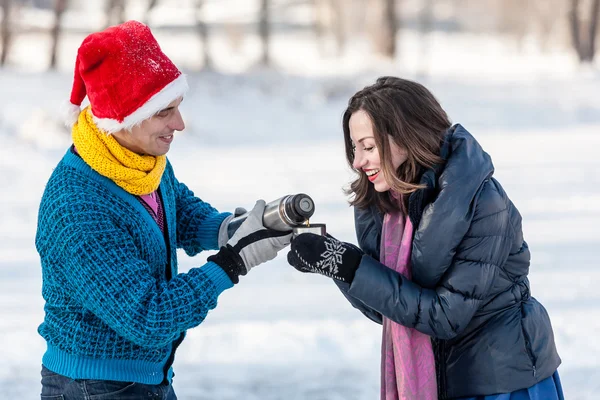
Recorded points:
(367, 159)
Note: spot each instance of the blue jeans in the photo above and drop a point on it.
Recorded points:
(58, 387)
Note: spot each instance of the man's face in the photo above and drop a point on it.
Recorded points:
(154, 135)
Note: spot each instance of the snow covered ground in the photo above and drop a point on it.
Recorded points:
(280, 334)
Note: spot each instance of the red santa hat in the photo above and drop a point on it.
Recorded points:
(126, 77)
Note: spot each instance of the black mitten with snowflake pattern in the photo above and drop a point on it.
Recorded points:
(325, 255)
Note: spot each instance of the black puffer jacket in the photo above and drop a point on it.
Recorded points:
(470, 290)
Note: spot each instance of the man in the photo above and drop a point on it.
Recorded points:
(110, 221)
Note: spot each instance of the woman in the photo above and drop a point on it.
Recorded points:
(442, 262)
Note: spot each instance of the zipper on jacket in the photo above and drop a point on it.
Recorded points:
(443, 383)
(528, 344)
(440, 367)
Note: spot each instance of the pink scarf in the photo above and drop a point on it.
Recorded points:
(407, 362)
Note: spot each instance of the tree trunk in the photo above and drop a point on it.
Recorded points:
(575, 29)
(59, 9)
(389, 29)
(426, 25)
(115, 12)
(593, 29)
(202, 29)
(319, 24)
(263, 31)
(584, 40)
(5, 30)
(151, 5)
(120, 11)
(384, 27)
(337, 10)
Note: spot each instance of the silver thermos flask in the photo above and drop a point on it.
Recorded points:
(283, 214)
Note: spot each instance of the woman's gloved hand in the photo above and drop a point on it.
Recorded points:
(325, 255)
(251, 245)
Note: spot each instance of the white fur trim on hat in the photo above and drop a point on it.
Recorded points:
(159, 101)
(70, 113)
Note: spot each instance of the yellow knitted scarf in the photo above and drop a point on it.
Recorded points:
(135, 173)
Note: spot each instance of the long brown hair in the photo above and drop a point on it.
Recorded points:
(408, 113)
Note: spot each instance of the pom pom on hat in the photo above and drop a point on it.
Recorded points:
(70, 113)
(126, 77)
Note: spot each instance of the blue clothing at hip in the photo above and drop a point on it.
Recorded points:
(548, 389)
(59, 387)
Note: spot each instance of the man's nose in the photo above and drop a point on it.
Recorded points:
(177, 122)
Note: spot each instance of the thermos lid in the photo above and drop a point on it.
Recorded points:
(303, 206)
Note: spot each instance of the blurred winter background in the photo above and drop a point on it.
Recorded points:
(269, 82)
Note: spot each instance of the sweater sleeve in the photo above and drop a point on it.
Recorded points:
(445, 311)
(198, 222)
(98, 263)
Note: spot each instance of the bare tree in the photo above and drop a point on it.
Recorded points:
(514, 19)
(202, 29)
(319, 22)
(149, 8)
(338, 18)
(5, 30)
(115, 12)
(330, 22)
(59, 8)
(426, 26)
(546, 12)
(385, 27)
(584, 30)
(389, 28)
(264, 31)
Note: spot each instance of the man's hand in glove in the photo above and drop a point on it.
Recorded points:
(251, 245)
(325, 255)
(224, 228)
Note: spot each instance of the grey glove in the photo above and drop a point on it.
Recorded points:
(239, 211)
(251, 245)
(223, 229)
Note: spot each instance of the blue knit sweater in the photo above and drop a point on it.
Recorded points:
(111, 312)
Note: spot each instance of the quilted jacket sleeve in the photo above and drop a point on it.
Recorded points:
(367, 311)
